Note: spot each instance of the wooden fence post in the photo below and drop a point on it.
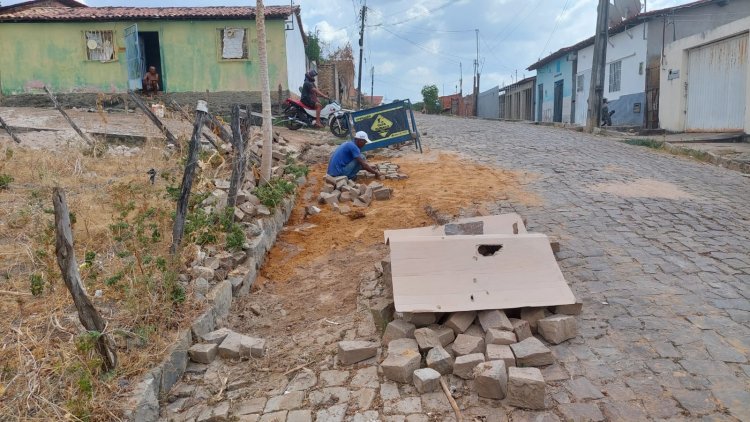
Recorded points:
(201, 111)
(10, 132)
(150, 114)
(66, 259)
(65, 115)
(238, 167)
(187, 117)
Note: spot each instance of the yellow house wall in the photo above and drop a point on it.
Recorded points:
(36, 54)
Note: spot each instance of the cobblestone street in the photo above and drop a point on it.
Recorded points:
(665, 282)
(654, 245)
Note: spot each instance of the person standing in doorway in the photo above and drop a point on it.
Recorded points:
(606, 114)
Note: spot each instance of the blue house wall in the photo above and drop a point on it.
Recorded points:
(560, 69)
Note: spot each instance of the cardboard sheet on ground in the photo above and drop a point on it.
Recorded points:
(452, 273)
(493, 224)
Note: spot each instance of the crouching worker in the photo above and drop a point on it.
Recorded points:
(347, 160)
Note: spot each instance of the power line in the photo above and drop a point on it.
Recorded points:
(423, 47)
(557, 22)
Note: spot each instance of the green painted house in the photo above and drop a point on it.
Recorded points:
(73, 48)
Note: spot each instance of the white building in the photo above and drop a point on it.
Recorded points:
(624, 78)
(705, 80)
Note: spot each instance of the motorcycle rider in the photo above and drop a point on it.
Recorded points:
(310, 95)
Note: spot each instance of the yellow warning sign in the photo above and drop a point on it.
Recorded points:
(381, 125)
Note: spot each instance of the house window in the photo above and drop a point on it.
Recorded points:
(100, 45)
(233, 43)
(614, 76)
(579, 83)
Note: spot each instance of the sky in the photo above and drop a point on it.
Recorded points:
(413, 43)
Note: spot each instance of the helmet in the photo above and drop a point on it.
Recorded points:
(312, 73)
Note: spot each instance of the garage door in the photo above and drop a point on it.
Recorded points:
(717, 75)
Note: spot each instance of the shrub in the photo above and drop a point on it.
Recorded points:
(5, 180)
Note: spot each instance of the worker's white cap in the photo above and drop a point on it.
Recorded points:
(362, 135)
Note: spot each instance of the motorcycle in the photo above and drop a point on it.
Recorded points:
(299, 115)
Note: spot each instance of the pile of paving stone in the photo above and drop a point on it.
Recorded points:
(388, 169)
(339, 192)
(500, 355)
(226, 344)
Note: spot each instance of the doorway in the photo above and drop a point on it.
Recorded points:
(151, 55)
(540, 101)
(557, 113)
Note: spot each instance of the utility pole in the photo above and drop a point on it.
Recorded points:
(596, 87)
(476, 76)
(361, 44)
(372, 84)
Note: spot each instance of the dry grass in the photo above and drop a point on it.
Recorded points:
(48, 369)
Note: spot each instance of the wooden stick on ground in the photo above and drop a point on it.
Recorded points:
(10, 132)
(453, 403)
(66, 259)
(70, 121)
(10, 293)
(150, 114)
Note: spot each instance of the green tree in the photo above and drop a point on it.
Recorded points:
(314, 49)
(430, 98)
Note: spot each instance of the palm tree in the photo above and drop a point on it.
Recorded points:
(266, 161)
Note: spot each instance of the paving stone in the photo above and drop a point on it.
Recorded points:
(195, 368)
(397, 329)
(574, 309)
(416, 417)
(299, 416)
(248, 418)
(218, 413)
(501, 352)
(531, 352)
(426, 380)
(246, 407)
(332, 414)
(618, 411)
(526, 388)
(403, 406)
(289, 401)
(530, 416)
(216, 336)
(333, 378)
(420, 319)
(329, 395)
(403, 358)
(494, 319)
(557, 328)
(435, 402)
(532, 315)
(705, 367)
(363, 398)
(427, 338)
(495, 336)
(368, 416)
(351, 352)
(521, 329)
(582, 389)
(463, 366)
(303, 380)
(465, 345)
(382, 310)
(580, 412)
(554, 373)
(460, 321)
(389, 391)
(203, 352)
(237, 346)
(491, 380)
(698, 403)
(440, 360)
(365, 377)
(474, 330)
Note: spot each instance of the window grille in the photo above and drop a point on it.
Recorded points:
(614, 76)
(100, 45)
(233, 43)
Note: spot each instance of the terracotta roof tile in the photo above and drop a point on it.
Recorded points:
(139, 13)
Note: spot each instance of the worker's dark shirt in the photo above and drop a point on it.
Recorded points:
(308, 94)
